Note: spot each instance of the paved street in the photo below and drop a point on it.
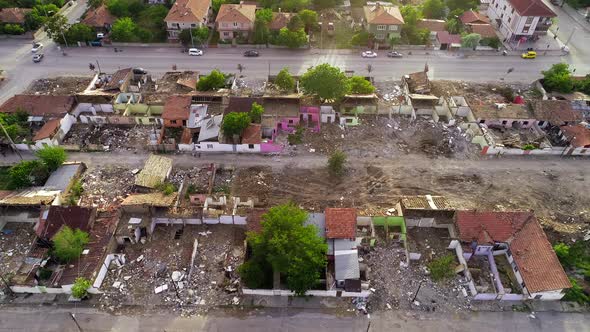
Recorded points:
(57, 319)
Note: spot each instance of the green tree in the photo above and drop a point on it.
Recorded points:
(264, 15)
(80, 288)
(324, 4)
(291, 39)
(434, 9)
(14, 124)
(285, 81)
(295, 23)
(200, 36)
(68, 244)
(394, 41)
(454, 26)
(576, 293)
(325, 81)
(256, 112)
(80, 32)
(360, 86)
(471, 40)
(234, 123)
(309, 19)
(214, 81)
(558, 78)
(360, 38)
(13, 29)
(124, 30)
(289, 247)
(584, 85)
(462, 4)
(493, 42)
(410, 33)
(337, 163)
(27, 173)
(261, 32)
(55, 26)
(52, 157)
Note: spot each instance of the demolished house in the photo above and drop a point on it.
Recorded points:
(156, 171)
(514, 248)
(342, 249)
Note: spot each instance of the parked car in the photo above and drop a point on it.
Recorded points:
(195, 51)
(37, 47)
(96, 43)
(369, 54)
(38, 57)
(139, 71)
(529, 55)
(100, 35)
(394, 54)
(251, 53)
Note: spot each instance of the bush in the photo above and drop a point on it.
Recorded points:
(442, 268)
(256, 113)
(360, 86)
(235, 123)
(214, 81)
(27, 173)
(68, 244)
(336, 163)
(558, 78)
(166, 188)
(52, 157)
(80, 288)
(296, 137)
(285, 81)
(291, 38)
(576, 293)
(255, 274)
(13, 29)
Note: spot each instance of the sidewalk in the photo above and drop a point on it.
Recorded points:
(576, 16)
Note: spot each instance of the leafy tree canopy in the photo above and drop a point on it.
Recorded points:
(264, 15)
(52, 157)
(359, 85)
(214, 81)
(235, 123)
(68, 244)
(80, 32)
(124, 30)
(325, 81)
(295, 23)
(309, 19)
(284, 80)
(80, 288)
(434, 9)
(291, 39)
(55, 25)
(558, 78)
(471, 40)
(256, 112)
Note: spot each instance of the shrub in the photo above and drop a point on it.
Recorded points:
(442, 267)
(52, 157)
(256, 112)
(166, 188)
(296, 137)
(80, 288)
(336, 163)
(235, 123)
(284, 80)
(359, 85)
(68, 244)
(576, 293)
(214, 81)
(27, 173)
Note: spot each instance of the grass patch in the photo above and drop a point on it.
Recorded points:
(222, 189)
(166, 188)
(442, 267)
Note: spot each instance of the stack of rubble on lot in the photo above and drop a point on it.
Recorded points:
(106, 186)
(59, 86)
(109, 138)
(197, 177)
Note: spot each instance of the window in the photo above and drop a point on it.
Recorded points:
(393, 28)
(381, 27)
(529, 20)
(504, 122)
(226, 34)
(173, 121)
(235, 24)
(380, 36)
(250, 146)
(502, 16)
(290, 121)
(514, 267)
(193, 25)
(525, 29)
(349, 120)
(541, 123)
(209, 146)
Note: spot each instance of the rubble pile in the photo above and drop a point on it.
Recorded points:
(196, 177)
(15, 241)
(398, 286)
(255, 182)
(223, 181)
(58, 86)
(388, 91)
(106, 186)
(109, 138)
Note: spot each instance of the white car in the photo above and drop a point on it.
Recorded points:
(195, 51)
(369, 54)
(36, 47)
(100, 35)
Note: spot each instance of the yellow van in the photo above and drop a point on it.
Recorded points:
(529, 55)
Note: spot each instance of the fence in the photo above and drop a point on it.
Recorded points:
(319, 293)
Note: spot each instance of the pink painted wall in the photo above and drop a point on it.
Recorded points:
(284, 125)
(314, 113)
(270, 147)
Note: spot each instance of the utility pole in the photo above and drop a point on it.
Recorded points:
(269, 68)
(99, 71)
(11, 141)
(190, 29)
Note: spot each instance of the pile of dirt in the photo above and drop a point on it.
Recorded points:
(58, 86)
(255, 182)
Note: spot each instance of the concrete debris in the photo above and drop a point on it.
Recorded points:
(177, 276)
(106, 186)
(160, 289)
(92, 137)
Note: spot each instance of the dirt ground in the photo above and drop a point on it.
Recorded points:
(114, 138)
(476, 93)
(64, 85)
(379, 136)
(15, 242)
(220, 249)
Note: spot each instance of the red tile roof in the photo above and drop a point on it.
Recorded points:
(280, 20)
(48, 130)
(532, 252)
(340, 223)
(38, 105)
(431, 25)
(444, 37)
(177, 108)
(14, 15)
(579, 136)
(194, 11)
(484, 30)
(58, 216)
(379, 14)
(532, 8)
(537, 262)
(252, 134)
(99, 17)
(472, 16)
(557, 112)
(241, 13)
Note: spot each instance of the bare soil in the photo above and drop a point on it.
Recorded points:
(64, 85)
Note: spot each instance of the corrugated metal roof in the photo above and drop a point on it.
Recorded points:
(344, 244)
(346, 265)
(319, 221)
(155, 171)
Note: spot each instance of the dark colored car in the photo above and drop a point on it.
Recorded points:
(394, 54)
(139, 71)
(251, 53)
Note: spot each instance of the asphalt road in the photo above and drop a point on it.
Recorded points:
(57, 319)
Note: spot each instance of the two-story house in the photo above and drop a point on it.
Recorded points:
(186, 14)
(520, 20)
(383, 21)
(235, 20)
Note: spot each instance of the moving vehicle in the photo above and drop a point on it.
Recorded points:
(394, 54)
(529, 55)
(195, 51)
(38, 57)
(251, 53)
(36, 47)
(139, 71)
(369, 54)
